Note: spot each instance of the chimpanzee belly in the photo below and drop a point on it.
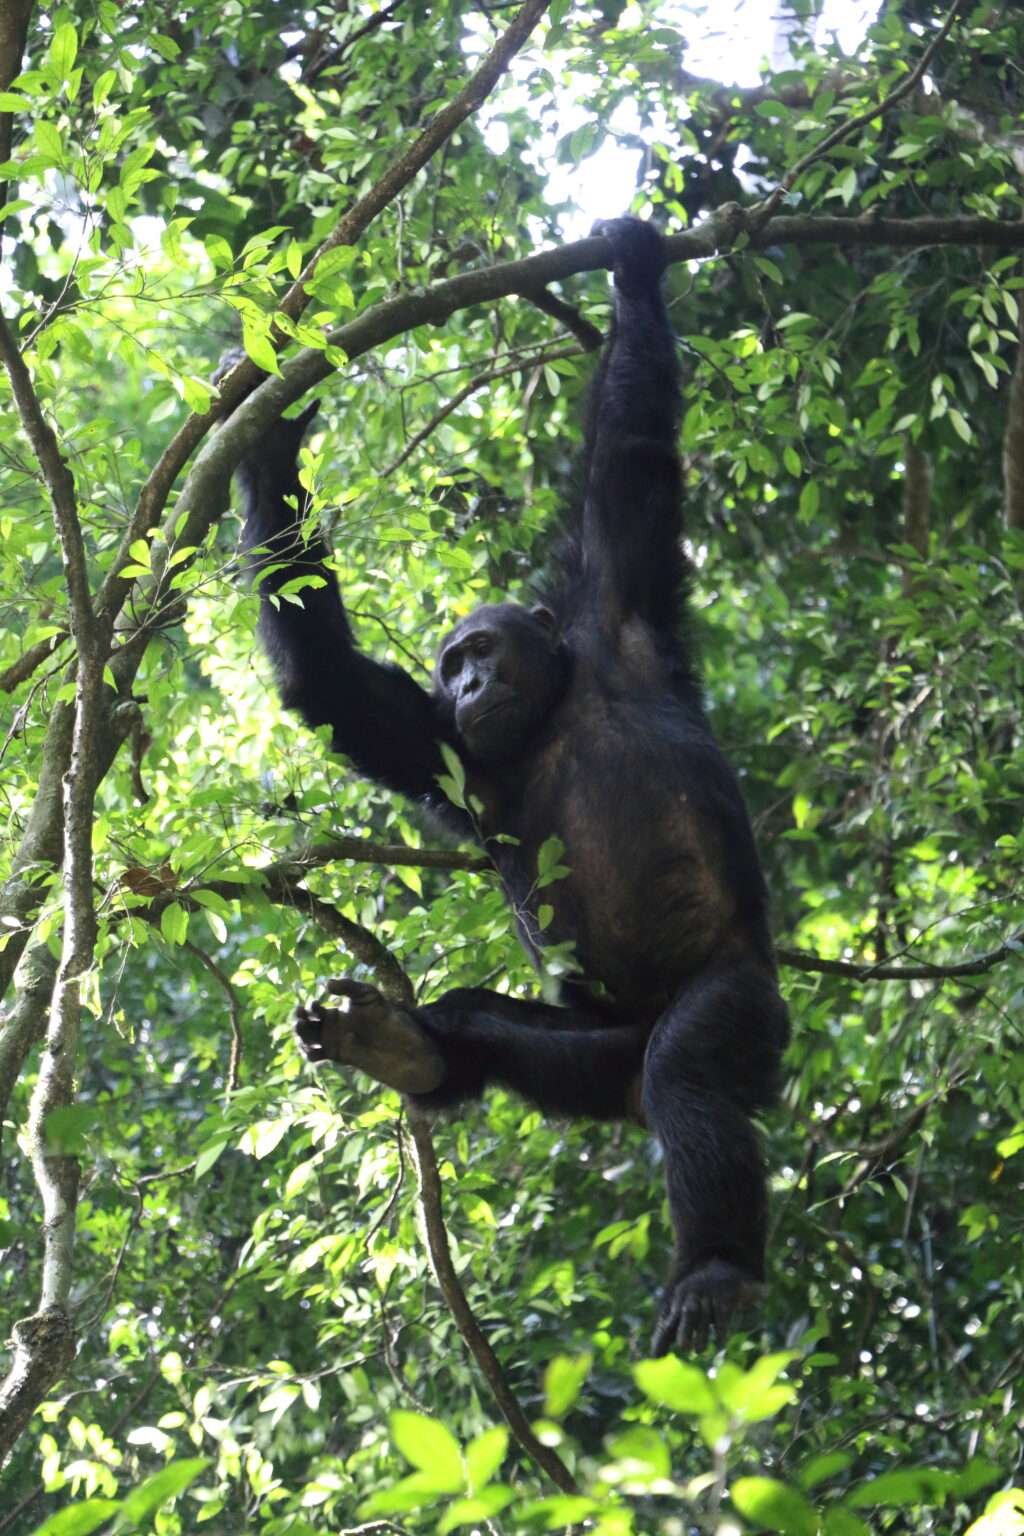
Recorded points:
(645, 825)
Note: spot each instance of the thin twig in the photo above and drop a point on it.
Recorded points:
(488, 377)
(395, 984)
(437, 132)
(845, 130)
(974, 965)
(234, 1014)
(455, 1297)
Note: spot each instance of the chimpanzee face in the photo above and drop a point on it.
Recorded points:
(500, 673)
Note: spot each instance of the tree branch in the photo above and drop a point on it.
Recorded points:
(845, 130)
(398, 175)
(429, 1181)
(975, 965)
(522, 366)
(1013, 434)
(24, 1024)
(44, 1342)
(440, 128)
(396, 986)
(21, 670)
(361, 851)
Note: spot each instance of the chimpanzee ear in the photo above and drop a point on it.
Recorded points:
(544, 616)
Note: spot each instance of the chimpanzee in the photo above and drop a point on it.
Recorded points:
(579, 718)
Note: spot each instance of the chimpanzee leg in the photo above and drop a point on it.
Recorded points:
(713, 1058)
(569, 1061)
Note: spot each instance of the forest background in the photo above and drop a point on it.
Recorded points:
(234, 1290)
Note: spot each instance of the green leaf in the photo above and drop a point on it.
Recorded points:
(1004, 1515)
(818, 1469)
(144, 1502)
(474, 1511)
(676, 1384)
(426, 1443)
(841, 1522)
(48, 138)
(80, 1519)
(453, 783)
(258, 346)
(810, 500)
(774, 1506)
(63, 51)
(411, 1493)
(960, 425)
(563, 1382)
(174, 923)
(642, 1453)
(484, 1456)
(899, 1490)
(208, 1156)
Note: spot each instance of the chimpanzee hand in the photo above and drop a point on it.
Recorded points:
(698, 1302)
(638, 250)
(372, 1034)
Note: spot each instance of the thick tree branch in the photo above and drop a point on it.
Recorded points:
(29, 661)
(44, 1342)
(23, 1025)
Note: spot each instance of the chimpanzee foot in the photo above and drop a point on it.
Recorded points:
(699, 1302)
(372, 1034)
(638, 252)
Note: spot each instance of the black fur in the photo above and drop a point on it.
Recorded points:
(584, 720)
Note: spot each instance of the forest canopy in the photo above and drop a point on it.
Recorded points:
(237, 1290)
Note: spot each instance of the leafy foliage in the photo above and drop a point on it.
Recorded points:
(261, 1342)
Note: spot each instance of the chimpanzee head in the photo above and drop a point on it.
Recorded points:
(498, 676)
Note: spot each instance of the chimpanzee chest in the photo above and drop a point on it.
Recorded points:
(645, 899)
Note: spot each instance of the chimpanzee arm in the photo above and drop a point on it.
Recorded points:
(380, 718)
(632, 512)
